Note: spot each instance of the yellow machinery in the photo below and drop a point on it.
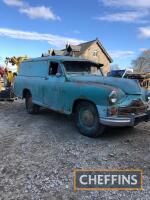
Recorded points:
(6, 81)
(16, 61)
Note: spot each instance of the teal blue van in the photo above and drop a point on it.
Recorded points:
(77, 86)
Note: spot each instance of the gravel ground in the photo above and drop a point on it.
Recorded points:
(38, 155)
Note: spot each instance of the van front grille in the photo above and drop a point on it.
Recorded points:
(130, 110)
(136, 107)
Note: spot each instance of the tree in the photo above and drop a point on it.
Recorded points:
(142, 62)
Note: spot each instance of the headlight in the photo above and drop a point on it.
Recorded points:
(113, 97)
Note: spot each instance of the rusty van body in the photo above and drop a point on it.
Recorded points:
(77, 86)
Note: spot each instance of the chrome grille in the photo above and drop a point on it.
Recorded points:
(129, 110)
(136, 107)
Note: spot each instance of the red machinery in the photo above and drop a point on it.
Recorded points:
(2, 71)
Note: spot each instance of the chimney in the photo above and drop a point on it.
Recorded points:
(67, 45)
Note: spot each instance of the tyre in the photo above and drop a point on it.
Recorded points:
(87, 120)
(30, 106)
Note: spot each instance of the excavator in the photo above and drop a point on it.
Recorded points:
(16, 61)
(6, 81)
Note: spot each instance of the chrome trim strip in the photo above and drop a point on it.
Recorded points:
(118, 122)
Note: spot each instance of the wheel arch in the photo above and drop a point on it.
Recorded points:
(25, 92)
(77, 101)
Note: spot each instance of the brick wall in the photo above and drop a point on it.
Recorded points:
(100, 58)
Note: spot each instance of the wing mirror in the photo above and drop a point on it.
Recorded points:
(58, 75)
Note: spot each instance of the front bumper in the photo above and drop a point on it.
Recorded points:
(131, 120)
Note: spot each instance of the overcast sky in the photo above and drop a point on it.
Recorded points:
(32, 27)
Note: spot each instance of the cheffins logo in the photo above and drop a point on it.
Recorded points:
(107, 179)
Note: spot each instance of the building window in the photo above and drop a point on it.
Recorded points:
(95, 53)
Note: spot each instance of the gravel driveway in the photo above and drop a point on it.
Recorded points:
(39, 152)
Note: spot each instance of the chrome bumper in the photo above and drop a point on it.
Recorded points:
(131, 120)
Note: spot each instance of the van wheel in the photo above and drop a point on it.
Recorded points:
(30, 106)
(87, 120)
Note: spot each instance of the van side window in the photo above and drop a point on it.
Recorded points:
(54, 68)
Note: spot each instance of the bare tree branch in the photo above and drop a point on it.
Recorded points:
(142, 62)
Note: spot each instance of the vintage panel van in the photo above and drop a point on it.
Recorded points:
(77, 86)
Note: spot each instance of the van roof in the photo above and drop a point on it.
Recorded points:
(57, 58)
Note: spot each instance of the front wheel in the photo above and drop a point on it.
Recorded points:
(30, 106)
(87, 120)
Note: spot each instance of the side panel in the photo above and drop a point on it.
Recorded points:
(32, 76)
(34, 68)
(73, 91)
(54, 88)
(54, 93)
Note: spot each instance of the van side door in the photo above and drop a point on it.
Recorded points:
(54, 87)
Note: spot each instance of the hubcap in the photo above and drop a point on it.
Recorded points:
(87, 118)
